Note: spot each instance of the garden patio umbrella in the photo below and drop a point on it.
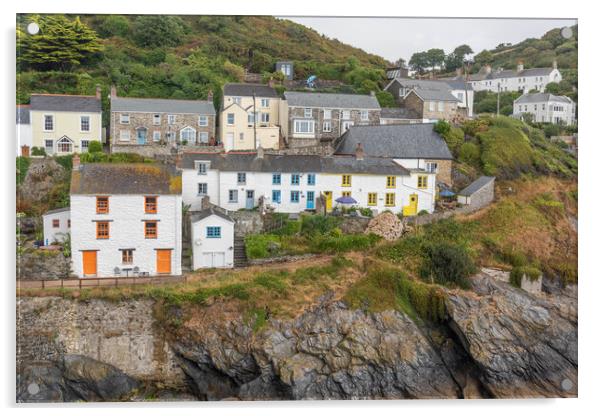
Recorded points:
(446, 193)
(346, 200)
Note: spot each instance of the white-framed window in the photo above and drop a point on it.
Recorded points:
(171, 136)
(250, 118)
(241, 178)
(124, 118)
(346, 114)
(157, 119)
(265, 102)
(49, 146)
(156, 136)
(85, 144)
(230, 119)
(364, 115)
(48, 122)
(327, 114)
(188, 134)
(124, 135)
(203, 121)
(84, 123)
(236, 100)
(347, 124)
(171, 119)
(304, 126)
(265, 117)
(202, 168)
(204, 137)
(202, 189)
(233, 195)
(307, 113)
(431, 106)
(327, 126)
(440, 106)
(432, 167)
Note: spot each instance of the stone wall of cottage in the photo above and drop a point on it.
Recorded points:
(146, 120)
(414, 103)
(336, 123)
(444, 168)
(449, 111)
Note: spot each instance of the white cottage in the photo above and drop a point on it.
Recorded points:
(520, 79)
(212, 234)
(126, 219)
(57, 225)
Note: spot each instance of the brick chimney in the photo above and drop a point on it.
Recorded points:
(113, 91)
(98, 92)
(359, 152)
(520, 66)
(75, 161)
(210, 95)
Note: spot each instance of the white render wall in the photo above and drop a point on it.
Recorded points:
(544, 111)
(201, 244)
(219, 183)
(538, 82)
(467, 99)
(24, 137)
(126, 230)
(52, 234)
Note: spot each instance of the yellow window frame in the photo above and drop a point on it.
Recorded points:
(390, 199)
(391, 181)
(422, 182)
(372, 198)
(346, 193)
(346, 180)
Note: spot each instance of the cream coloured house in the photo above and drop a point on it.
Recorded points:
(250, 117)
(64, 124)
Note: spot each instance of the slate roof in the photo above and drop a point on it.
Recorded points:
(427, 89)
(125, 179)
(510, 73)
(458, 84)
(330, 100)
(399, 141)
(23, 114)
(200, 215)
(541, 97)
(56, 211)
(160, 105)
(246, 90)
(398, 113)
(248, 162)
(59, 102)
(476, 185)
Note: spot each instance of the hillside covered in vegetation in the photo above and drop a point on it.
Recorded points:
(177, 56)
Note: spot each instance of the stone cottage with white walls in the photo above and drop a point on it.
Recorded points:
(24, 138)
(315, 117)
(546, 108)
(250, 117)
(63, 124)
(293, 183)
(57, 225)
(126, 219)
(156, 121)
(212, 234)
(519, 79)
(414, 146)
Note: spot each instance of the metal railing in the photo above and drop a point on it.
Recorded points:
(91, 282)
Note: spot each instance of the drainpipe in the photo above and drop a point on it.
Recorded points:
(254, 121)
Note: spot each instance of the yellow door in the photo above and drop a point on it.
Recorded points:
(89, 259)
(412, 208)
(328, 195)
(164, 261)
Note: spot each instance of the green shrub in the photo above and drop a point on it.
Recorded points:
(334, 242)
(65, 161)
(318, 224)
(260, 246)
(38, 151)
(22, 167)
(442, 127)
(516, 275)
(448, 265)
(470, 153)
(95, 146)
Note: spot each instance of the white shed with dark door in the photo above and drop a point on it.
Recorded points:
(212, 234)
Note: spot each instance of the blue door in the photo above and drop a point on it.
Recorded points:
(250, 200)
(141, 136)
(310, 200)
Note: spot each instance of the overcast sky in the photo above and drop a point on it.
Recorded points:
(394, 38)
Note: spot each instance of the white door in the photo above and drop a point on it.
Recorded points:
(207, 260)
(229, 141)
(216, 259)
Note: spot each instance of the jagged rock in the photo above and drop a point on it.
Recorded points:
(41, 383)
(525, 345)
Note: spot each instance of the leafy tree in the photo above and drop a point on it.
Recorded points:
(419, 62)
(153, 31)
(483, 57)
(114, 25)
(95, 146)
(385, 99)
(442, 127)
(448, 264)
(61, 44)
(435, 57)
(455, 59)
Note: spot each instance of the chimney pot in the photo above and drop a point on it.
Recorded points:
(98, 92)
(210, 95)
(359, 152)
(113, 91)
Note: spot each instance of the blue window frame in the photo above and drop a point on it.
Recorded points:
(311, 178)
(242, 178)
(276, 196)
(276, 179)
(295, 197)
(214, 232)
(295, 179)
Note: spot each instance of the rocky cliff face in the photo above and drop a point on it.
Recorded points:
(498, 342)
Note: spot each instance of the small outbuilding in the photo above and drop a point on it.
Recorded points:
(479, 193)
(57, 224)
(212, 233)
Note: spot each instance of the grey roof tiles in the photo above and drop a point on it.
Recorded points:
(58, 102)
(476, 185)
(330, 100)
(247, 90)
(160, 105)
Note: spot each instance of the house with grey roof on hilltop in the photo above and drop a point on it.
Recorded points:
(413, 146)
(314, 117)
(139, 122)
(546, 108)
(519, 79)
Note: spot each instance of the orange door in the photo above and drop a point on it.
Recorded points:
(89, 263)
(164, 261)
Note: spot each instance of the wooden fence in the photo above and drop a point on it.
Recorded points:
(87, 283)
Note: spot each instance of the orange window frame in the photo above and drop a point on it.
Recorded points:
(102, 230)
(127, 256)
(150, 204)
(150, 229)
(102, 204)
